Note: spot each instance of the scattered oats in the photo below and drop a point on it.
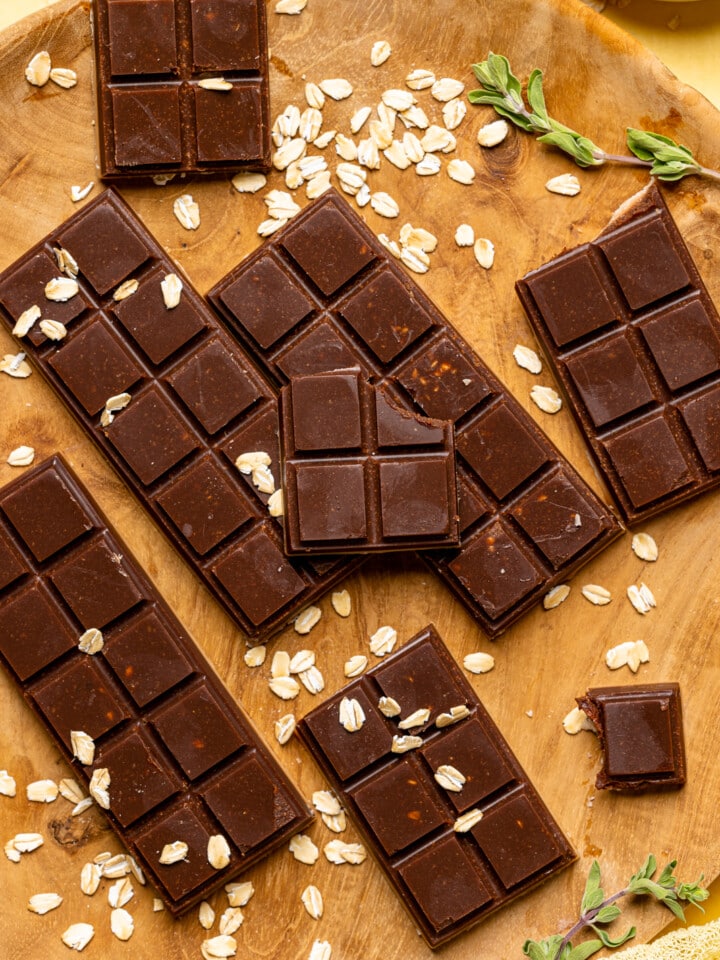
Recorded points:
(395, 153)
(446, 89)
(415, 260)
(187, 212)
(368, 155)
(325, 139)
(303, 849)
(454, 113)
(547, 399)
(246, 182)
(78, 935)
(437, 139)
(290, 6)
(78, 193)
(557, 595)
(336, 88)
(390, 245)
(450, 778)
(125, 290)
(380, 52)
(306, 620)
(158, 905)
(215, 83)
(530, 713)
(312, 679)
(43, 903)
(171, 286)
(99, 787)
(527, 358)
(120, 893)
(403, 744)
(230, 921)
(117, 866)
(420, 79)
(567, 184)
(281, 205)
(351, 715)
(577, 720)
(37, 72)
(112, 406)
(416, 719)
(25, 321)
(381, 134)
(121, 923)
(42, 791)
(351, 177)
(53, 329)
(81, 807)
(90, 876)
(479, 662)
(428, 166)
(321, 950)
(11, 852)
(644, 547)
(484, 251)
(389, 707)
(631, 654)
(314, 96)
(383, 641)
(162, 179)
(596, 594)
(61, 289)
(641, 598)
(415, 117)
(64, 77)
(173, 852)
(358, 118)
(418, 237)
(355, 665)
(326, 802)
(310, 124)
(399, 100)
(311, 166)
(412, 147)
(8, 787)
(239, 894)
(463, 172)
(345, 148)
(21, 456)
(206, 915)
(386, 115)
(218, 852)
(218, 947)
(336, 822)
(289, 121)
(363, 196)
(66, 262)
(287, 688)
(92, 640)
(468, 820)
(460, 712)
(312, 900)
(464, 235)
(102, 858)
(337, 851)
(284, 728)
(280, 664)
(317, 186)
(270, 226)
(15, 365)
(341, 603)
(290, 150)
(493, 133)
(255, 656)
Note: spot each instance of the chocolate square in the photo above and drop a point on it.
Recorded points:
(33, 632)
(610, 379)
(443, 383)
(151, 20)
(326, 412)
(24, 287)
(225, 35)
(684, 342)
(330, 501)
(417, 678)
(260, 434)
(11, 565)
(414, 497)
(146, 126)
(701, 414)
(318, 349)
(229, 123)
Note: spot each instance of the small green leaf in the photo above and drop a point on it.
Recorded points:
(608, 941)
(607, 914)
(536, 97)
(591, 901)
(542, 949)
(666, 878)
(579, 148)
(650, 866)
(585, 950)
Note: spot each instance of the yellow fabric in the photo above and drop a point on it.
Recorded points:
(690, 943)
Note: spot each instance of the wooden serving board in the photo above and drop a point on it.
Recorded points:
(597, 80)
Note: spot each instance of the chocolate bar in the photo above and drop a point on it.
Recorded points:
(454, 822)
(182, 87)
(634, 338)
(323, 294)
(184, 763)
(641, 735)
(185, 402)
(359, 473)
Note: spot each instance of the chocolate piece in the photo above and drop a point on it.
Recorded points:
(155, 116)
(641, 736)
(184, 762)
(361, 475)
(447, 879)
(323, 294)
(634, 339)
(197, 402)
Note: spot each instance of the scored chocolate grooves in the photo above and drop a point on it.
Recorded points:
(197, 402)
(185, 763)
(323, 294)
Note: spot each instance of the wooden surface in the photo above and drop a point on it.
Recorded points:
(541, 663)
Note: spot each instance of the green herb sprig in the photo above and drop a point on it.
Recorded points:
(502, 90)
(597, 911)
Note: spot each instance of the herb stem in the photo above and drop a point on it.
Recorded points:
(586, 919)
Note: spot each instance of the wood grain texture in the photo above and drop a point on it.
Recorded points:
(543, 662)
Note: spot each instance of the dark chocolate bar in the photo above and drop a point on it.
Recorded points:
(322, 294)
(196, 402)
(641, 735)
(634, 338)
(184, 762)
(157, 112)
(454, 822)
(360, 474)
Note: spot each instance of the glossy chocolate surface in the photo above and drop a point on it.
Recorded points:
(176, 745)
(447, 880)
(323, 294)
(197, 402)
(154, 114)
(641, 735)
(361, 474)
(634, 339)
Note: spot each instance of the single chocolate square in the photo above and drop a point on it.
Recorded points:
(633, 337)
(453, 856)
(641, 735)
